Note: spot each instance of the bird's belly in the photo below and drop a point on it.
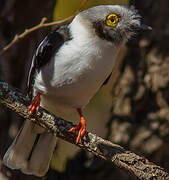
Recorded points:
(76, 94)
(74, 82)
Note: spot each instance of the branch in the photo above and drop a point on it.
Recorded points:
(82, 4)
(117, 155)
(42, 24)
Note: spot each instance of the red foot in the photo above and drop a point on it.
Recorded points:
(35, 105)
(81, 126)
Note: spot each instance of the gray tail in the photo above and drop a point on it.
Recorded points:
(31, 150)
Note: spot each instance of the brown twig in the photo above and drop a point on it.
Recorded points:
(42, 24)
(82, 4)
(117, 155)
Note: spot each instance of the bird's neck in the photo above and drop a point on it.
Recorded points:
(80, 27)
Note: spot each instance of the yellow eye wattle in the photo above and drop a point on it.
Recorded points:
(112, 20)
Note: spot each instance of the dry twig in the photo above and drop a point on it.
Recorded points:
(42, 24)
(117, 155)
(82, 4)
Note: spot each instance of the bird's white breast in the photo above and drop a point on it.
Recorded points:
(78, 69)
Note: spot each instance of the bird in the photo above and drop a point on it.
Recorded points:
(69, 66)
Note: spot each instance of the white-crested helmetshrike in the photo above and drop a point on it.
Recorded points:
(70, 65)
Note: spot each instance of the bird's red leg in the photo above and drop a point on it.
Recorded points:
(81, 126)
(35, 105)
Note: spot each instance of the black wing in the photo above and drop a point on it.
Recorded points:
(47, 48)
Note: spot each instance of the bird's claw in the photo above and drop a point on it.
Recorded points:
(35, 105)
(82, 128)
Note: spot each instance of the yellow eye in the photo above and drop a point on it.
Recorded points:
(112, 20)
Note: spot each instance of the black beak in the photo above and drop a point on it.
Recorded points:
(145, 27)
(142, 27)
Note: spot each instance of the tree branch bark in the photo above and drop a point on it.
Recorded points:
(117, 155)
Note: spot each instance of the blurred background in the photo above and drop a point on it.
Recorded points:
(132, 110)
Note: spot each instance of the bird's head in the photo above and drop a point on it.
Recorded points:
(113, 23)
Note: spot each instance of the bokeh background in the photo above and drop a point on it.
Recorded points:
(132, 110)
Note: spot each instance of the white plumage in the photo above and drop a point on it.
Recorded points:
(81, 67)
